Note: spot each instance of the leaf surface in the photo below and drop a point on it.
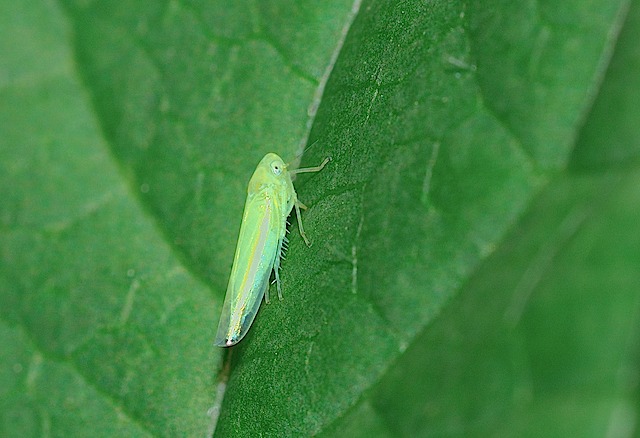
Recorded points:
(129, 132)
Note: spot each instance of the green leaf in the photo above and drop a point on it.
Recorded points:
(543, 339)
(129, 130)
(611, 136)
(101, 322)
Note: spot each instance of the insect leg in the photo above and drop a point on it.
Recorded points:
(276, 268)
(297, 206)
(266, 295)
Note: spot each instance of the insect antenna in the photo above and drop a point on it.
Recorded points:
(295, 163)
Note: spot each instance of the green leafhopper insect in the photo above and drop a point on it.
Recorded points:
(270, 199)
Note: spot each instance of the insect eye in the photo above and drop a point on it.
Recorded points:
(276, 168)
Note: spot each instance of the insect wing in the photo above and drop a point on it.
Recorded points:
(260, 234)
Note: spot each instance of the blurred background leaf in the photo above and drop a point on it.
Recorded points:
(474, 266)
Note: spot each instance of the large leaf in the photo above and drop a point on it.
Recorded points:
(103, 327)
(543, 340)
(128, 131)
